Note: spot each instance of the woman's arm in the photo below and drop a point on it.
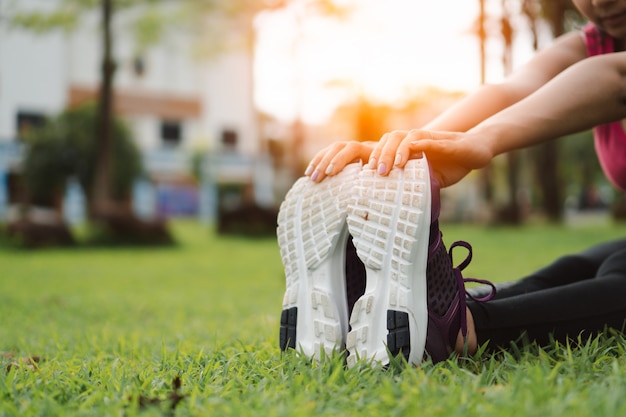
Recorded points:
(587, 94)
(591, 93)
(469, 112)
(490, 99)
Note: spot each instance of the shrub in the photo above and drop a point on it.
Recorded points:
(66, 146)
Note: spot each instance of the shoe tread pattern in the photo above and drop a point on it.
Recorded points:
(386, 217)
(310, 222)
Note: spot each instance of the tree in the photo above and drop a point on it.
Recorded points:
(480, 31)
(302, 10)
(66, 16)
(64, 147)
(104, 207)
(207, 18)
(560, 16)
(101, 188)
(512, 212)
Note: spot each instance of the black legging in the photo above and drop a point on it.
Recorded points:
(576, 295)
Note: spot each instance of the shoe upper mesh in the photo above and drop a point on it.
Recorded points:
(441, 282)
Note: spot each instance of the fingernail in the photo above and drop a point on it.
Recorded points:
(372, 163)
(382, 168)
(315, 175)
(308, 170)
(330, 169)
(398, 159)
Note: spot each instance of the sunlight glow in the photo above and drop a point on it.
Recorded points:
(385, 50)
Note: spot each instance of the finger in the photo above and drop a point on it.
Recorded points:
(404, 151)
(318, 171)
(436, 136)
(315, 162)
(319, 162)
(313, 169)
(337, 157)
(389, 149)
(431, 145)
(352, 152)
(375, 155)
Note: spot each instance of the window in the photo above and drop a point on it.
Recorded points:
(229, 138)
(27, 121)
(171, 132)
(139, 66)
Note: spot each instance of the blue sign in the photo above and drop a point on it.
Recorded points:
(144, 199)
(4, 193)
(74, 202)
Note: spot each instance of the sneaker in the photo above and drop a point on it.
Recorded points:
(447, 299)
(389, 219)
(414, 300)
(314, 243)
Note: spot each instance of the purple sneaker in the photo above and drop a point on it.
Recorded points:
(315, 247)
(447, 299)
(414, 300)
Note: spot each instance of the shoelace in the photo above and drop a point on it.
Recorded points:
(461, 283)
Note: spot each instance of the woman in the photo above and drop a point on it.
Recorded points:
(577, 83)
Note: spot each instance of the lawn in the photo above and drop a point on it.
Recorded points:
(192, 330)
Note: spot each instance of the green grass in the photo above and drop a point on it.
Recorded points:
(115, 327)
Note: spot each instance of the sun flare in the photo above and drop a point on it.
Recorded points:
(384, 51)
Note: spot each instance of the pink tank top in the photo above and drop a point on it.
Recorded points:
(610, 139)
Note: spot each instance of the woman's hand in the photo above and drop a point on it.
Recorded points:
(451, 155)
(332, 159)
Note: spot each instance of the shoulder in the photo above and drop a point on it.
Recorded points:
(562, 53)
(569, 48)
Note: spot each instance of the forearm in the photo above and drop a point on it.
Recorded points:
(476, 107)
(589, 93)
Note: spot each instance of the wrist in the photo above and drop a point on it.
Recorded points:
(495, 139)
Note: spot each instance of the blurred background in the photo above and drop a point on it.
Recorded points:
(124, 114)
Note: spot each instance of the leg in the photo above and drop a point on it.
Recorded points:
(565, 270)
(577, 294)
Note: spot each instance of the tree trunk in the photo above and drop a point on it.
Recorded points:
(514, 210)
(101, 192)
(486, 179)
(547, 154)
(511, 213)
(546, 158)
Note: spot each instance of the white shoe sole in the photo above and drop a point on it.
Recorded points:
(389, 220)
(312, 236)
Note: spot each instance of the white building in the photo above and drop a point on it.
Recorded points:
(174, 104)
